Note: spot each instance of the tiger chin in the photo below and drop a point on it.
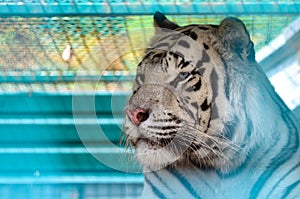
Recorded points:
(199, 98)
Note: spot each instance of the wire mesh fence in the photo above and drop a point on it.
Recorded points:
(39, 52)
(32, 49)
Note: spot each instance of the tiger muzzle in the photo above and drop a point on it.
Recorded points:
(149, 99)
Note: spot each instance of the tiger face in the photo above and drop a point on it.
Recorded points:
(180, 111)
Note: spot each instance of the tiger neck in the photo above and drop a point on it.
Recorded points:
(268, 134)
(275, 151)
(245, 180)
(265, 126)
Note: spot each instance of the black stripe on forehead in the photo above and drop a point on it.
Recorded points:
(194, 36)
(176, 36)
(182, 64)
(184, 44)
(203, 28)
(214, 78)
(204, 59)
(227, 80)
(153, 55)
(175, 81)
(159, 45)
(179, 54)
(185, 64)
(146, 56)
(160, 55)
(207, 27)
(189, 32)
(175, 55)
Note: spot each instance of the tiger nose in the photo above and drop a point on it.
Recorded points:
(138, 115)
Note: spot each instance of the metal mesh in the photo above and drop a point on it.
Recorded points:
(32, 48)
(35, 34)
(98, 43)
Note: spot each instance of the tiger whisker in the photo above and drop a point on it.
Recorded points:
(191, 143)
(199, 158)
(214, 140)
(198, 127)
(217, 139)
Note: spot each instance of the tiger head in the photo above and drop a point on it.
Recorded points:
(187, 88)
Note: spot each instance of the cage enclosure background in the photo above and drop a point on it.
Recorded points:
(53, 50)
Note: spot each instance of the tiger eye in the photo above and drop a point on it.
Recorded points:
(184, 75)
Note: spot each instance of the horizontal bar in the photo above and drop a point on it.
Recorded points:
(59, 134)
(61, 121)
(60, 162)
(66, 158)
(57, 77)
(61, 103)
(72, 178)
(63, 150)
(142, 8)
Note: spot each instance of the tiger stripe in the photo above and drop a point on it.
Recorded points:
(215, 127)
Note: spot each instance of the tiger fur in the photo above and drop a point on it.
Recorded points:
(204, 119)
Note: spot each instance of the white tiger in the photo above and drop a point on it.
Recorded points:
(205, 120)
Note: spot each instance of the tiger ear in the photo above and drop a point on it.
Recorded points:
(162, 22)
(235, 37)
